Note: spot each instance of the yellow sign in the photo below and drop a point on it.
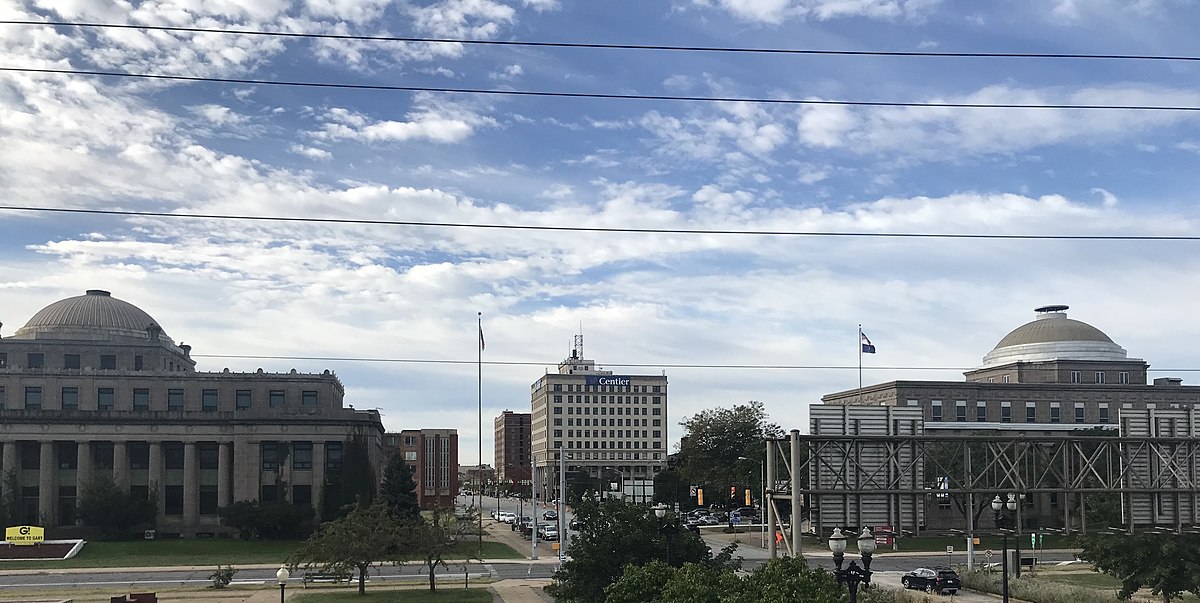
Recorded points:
(24, 534)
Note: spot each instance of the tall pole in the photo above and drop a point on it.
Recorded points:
(860, 344)
(562, 506)
(479, 469)
(534, 506)
(762, 502)
(769, 500)
(797, 529)
(1004, 567)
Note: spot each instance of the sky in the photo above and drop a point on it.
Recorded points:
(393, 308)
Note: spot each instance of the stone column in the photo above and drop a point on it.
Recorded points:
(10, 457)
(121, 466)
(224, 474)
(318, 478)
(47, 485)
(158, 480)
(247, 470)
(191, 488)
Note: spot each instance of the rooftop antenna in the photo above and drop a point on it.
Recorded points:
(577, 348)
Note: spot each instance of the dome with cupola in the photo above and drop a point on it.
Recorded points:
(95, 316)
(1053, 336)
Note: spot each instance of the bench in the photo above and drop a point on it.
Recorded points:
(136, 598)
(330, 577)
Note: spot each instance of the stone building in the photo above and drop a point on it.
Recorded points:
(512, 441)
(93, 384)
(433, 456)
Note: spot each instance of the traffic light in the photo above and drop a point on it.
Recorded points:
(748, 502)
(733, 492)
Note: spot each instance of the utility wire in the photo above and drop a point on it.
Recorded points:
(601, 229)
(597, 95)
(604, 46)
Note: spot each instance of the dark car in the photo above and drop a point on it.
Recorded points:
(932, 580)
(576, 525)
(550, 515)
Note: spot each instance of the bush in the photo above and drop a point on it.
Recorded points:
(223, 576)
(1029, 588)
(273, 520)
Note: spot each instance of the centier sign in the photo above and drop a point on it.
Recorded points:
(24, 534)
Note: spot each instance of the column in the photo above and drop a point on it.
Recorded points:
(121, 466)
(191, 488)
(10, 457)
(246, 472)
(83, 470)
(224, 474)
(47, 485)
(158, 480)
(318, 478)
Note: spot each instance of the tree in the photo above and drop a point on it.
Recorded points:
(399, 490)
(104, 505)
(784, 579)
(434, 538)
(1166, 564)
(358, 475)
(716, 438)
(616, 534)
(366, 536)
(270, 520)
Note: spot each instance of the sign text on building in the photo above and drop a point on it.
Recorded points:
(606, 380)
(24, 534)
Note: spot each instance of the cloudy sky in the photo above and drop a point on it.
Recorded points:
(696, 305)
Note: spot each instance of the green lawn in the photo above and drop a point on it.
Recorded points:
(444, 595)
(207, 552)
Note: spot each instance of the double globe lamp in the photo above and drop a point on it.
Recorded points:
(853, 575)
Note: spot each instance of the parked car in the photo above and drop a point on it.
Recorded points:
(507, 516)
(575, 525)
(550, 515)
(933, 580)
(698, 513)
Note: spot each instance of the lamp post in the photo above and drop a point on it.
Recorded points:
(282, 577)
(1002, 518)
(660, 511)
(854, 575)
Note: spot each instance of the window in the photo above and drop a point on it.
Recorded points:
(1076, 377)
(70, 361)
(308, 398)
(1006, 412)
(276, 398)
(67, 454)
(33, 398)
(657, 412)
(1030, 412)
(981, 411)
(270, 455)
(207, 499)
(172, 455)
(174, 399)
(269, 493)
(35, 361)
(70, 398)
(30, 455)
(104, 398)
(1055, 412)
(3, 359)
(960, 411)
(333, 456)
(1078, 412)
(3, 398)
(108, 362)
(141, 399)
(139, 455)
(173, 505)
(302, 456)
(138, 363)
(410, 455)
(208, 399)
(558, 410)
(208, 455)
(1122, 377)
(302, 495)
(656, 400)
(936, 410)
(1099, 377)
(242, 399)
(1104, 412)
(1006, 378)
(102, 455)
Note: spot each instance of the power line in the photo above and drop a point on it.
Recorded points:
(603, 229)
(609, 46)
(598, 95)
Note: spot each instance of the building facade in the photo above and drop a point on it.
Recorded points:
(607, 425)
(91, 384)
(513, 446)
(433, 456)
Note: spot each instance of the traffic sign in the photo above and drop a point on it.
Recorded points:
(949, 550)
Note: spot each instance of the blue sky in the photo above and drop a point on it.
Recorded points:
(239, 288)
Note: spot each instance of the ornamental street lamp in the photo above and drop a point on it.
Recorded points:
(660, 511)
(282, 577)
(853, 575)
(1003, 514)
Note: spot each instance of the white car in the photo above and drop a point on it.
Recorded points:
(506, 516)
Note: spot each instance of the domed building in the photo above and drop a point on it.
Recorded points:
(93, 384)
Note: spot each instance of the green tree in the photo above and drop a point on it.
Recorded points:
(10, 498)
(639, 583)
(358, 475)
(616, 534)
(716, 441)
(434, 536)
(115, 512)
(784, 579)
(269, 520)
(1166, 564)
(399, 490)
(789, 579)
(366, 536)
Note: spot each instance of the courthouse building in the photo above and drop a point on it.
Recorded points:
(94, 384)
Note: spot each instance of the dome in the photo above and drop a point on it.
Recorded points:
(1053, 336)
(96, 315)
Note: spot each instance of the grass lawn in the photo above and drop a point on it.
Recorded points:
(207, 552)
(444, 595)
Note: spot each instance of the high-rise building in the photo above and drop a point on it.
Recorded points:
(433, 456)
(513, 438)
(92, 386)
(611, 427)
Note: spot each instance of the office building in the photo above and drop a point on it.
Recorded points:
(433, 456)
(513, 446)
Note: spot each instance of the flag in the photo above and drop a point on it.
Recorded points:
(867, 346)
(481, 345)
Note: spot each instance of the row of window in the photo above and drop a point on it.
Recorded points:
(68, 399)
(107, 362)
(273, 454)
(579, 387)
(611, 456)
(606, 422)
(981, 411)
(604, 410)
(558, 399)
(603, 433)
(1122, 377)
(604, 444)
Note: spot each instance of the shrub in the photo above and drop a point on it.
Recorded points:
(223, 576)
(1030, 588)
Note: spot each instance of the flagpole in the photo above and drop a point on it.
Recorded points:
(860, 350)
(479, 469)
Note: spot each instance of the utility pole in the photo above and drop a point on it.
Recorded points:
(562, 506)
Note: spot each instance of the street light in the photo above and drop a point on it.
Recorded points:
(282, 576)
(660, 511)
(854, 575)
(1002, 518)
(762, 501)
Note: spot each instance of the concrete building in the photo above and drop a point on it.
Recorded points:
(513, 446)
(93, 384)
(433, 456)
(606, 424)
(1051, 375)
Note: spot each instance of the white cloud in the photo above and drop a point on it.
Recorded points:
(778, 11)
(508, 73)
(542, 5)
(310, 152)
(430, 119)
(462, 18)
(218, 115)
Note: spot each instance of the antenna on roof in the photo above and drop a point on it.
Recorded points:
(1052, 308)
